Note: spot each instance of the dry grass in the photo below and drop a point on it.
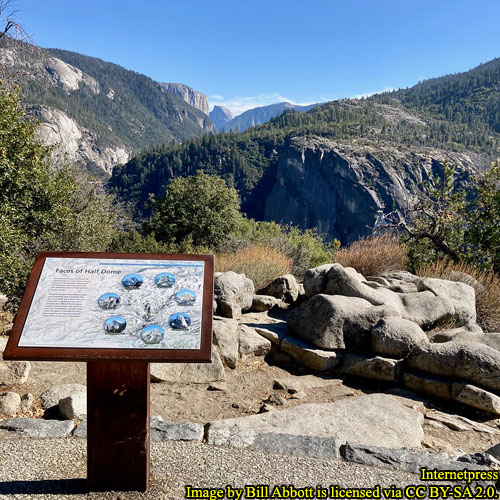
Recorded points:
(259, 263)
(486, 284)
(374, 256)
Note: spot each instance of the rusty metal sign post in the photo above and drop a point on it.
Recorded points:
(118, 312)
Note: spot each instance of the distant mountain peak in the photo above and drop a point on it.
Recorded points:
(220, 115)
(254, 116)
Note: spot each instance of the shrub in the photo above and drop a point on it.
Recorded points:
(375, 255)
(259, 263)
(486, 284)
(306, 248)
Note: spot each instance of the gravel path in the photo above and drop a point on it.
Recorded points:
(56, 468)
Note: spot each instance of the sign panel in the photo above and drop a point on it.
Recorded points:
(111, 306)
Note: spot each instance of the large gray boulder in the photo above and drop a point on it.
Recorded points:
(226, 338)
(396, 336)
(197, 373)
(233, 293)
(424, 308)
(337, 322)
(475, 363)
(375, 419)
(462, 296)
(284, 288)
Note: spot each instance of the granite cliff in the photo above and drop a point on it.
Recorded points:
(189, 95)
(343, 189)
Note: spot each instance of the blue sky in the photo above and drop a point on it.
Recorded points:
(247, 53)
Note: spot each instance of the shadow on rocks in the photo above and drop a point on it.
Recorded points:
(48, 486)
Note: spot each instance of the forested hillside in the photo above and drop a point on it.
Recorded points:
(456, 113)
(96, 113)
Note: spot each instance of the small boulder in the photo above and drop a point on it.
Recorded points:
(396, 337)
(252, 344)
(10, 403)
(377, 368)
(74, 406)
(284, 288)
(406, 460)
(471, 395)
(275, 332)
(315, 279)
(261, 303)
(226, 338)
(162, 430)
(14, 372)
(309, 355)
(38, 428)
(233, 293)
(27, 401)
(52, 396)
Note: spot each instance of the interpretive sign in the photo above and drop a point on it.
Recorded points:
(118, 312)
(85, 306)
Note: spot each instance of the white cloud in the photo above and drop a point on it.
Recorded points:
(240, 104)
(216, 97)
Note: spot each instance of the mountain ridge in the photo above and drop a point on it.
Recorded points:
(98, 112)
(259, 115)
(384, 145)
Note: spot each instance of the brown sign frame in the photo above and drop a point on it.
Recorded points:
(203, 355)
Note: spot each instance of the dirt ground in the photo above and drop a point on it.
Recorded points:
(252, 385)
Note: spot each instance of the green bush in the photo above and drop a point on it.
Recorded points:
(306, 248)
(200, 209)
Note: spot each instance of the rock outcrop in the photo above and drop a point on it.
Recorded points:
(376, 420)
(73, 143)
(189, 95)
(344, 190)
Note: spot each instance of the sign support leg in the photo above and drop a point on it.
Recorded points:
(118, 425)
